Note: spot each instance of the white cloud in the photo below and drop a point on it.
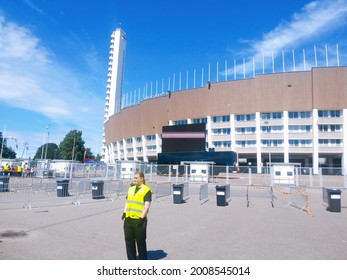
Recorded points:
(33, 6)
(315, 21)
(18, 43)
(31, 79)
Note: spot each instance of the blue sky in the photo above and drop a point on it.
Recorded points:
(54, 54)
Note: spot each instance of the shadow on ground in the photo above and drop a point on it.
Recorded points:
(156, 255)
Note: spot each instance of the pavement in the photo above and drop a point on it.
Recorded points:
(92, 230)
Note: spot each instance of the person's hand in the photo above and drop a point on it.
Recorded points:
(123, 216)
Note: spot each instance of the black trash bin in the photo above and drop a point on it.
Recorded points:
(98, 189)
(4, 181)
(221, 195)
(333, 198)
(177, 193)
(63, 188)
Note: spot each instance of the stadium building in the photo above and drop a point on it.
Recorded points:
(297, 116)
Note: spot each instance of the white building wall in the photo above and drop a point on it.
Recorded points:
(258, 151)
(232, 132)
(286, 137)
(315, 154)
(344, 130)
(258, 139)
(209, 132)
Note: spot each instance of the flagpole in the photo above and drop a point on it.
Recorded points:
(234, 69)
(217, 72)
(187, 81)
(253, 67)
(202, 77)
(304, 56)
(315, 55)
(244, 69)
(283, 64)
(194, 79)
(263, 63)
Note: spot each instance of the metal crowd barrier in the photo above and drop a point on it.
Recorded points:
(46, 192)
(34, 192)
(259, 192)
(203, 193)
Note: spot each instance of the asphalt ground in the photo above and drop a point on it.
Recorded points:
(93, 230)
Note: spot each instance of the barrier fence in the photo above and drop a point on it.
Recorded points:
(203, 193)
(112, 182)
(332, 177)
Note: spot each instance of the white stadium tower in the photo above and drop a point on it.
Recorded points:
(114, 79)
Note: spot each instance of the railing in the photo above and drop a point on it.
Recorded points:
(331, 177)
(28, 192)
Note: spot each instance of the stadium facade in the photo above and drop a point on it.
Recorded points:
(297, 117)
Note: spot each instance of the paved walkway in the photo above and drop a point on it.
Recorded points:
(187, 231)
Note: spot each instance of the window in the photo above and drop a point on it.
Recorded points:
(330, 142)
(300, 143)
(330, 128)
(268, 116)
(180, 122)
(305, 115)
(272, 143)
(299, 115)
(202, 120)
(323, 128)
(150, 137)
(299, 128)
(245, 130)
(221, 131)
(243, 118)
(221, 119)
(151, 148)
(276, 128)
(336, 127)
(221, 144)
(329, 113)
(245, 144)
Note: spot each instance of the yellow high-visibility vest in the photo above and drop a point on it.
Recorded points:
(135, 202)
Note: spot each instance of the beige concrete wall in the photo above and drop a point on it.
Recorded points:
(321, 88)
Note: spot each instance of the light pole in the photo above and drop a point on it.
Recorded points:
(47, 127)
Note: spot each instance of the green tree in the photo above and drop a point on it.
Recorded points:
(7, 152)
(89, 154)
(98, 157)
(48, 151)
(72, 147)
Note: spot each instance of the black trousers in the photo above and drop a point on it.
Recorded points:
(135, 236)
